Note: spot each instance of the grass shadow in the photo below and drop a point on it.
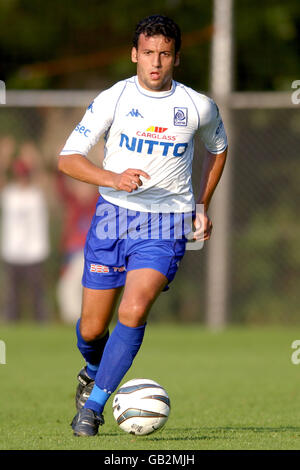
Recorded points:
(213, 433)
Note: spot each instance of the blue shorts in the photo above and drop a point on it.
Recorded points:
(120, 240)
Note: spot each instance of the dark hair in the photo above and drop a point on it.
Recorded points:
(158, 24)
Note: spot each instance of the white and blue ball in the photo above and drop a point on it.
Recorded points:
(141, 406)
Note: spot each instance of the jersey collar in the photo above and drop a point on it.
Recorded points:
(155, 94)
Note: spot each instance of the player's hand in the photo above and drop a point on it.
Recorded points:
(202, 227)
(129, 180)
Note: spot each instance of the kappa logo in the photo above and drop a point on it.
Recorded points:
(134, 113)
(90, 107)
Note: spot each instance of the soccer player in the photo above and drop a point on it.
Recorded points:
(149, 122)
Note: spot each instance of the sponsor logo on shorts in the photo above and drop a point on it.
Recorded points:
(99, 268)
(118, 270)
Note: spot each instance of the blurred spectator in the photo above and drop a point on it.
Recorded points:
(79, 201)
(7, 151)
(24, 243)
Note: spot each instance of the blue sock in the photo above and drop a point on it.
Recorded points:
(118, 355)
(92, 369)
(97, 399)
(91, 351)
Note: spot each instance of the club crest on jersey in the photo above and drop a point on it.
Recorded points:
(180, 116)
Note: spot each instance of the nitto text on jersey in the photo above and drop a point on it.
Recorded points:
(147, 146)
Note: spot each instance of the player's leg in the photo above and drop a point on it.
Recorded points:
(150, 265)
(97, 310)
(141, 289)
(103, 278)
(92, 334)
(102, 285)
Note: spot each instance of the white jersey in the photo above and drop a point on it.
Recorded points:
(153, 132)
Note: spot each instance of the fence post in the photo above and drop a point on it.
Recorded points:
(218, 247)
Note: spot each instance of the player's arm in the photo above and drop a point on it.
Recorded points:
(212, 170)
(73, 160)
(81, 168)
(214, 137)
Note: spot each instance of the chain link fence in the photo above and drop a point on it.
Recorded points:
(264, 249)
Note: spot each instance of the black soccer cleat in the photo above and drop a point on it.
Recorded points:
(86, 422)
(84, 388)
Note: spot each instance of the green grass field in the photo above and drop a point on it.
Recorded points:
(236, 389)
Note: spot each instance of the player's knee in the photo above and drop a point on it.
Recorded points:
(91, 331)
(132, 313)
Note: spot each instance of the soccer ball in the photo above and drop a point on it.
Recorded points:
(141, 406)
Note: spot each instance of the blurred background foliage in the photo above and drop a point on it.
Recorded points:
(73, 44)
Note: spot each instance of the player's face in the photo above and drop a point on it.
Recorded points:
(155, 58)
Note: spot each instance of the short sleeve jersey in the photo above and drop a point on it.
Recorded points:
(153, 132)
